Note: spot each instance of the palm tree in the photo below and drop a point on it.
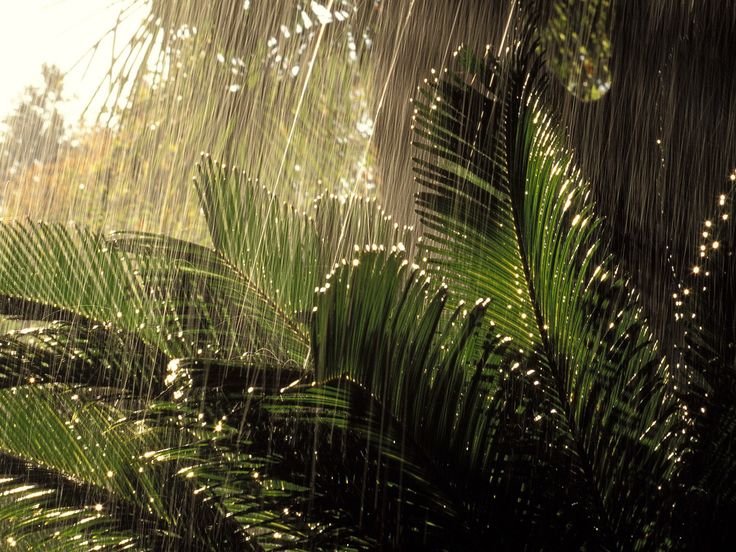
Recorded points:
(327, 380)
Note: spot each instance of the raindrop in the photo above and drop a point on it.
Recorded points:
(323, 14)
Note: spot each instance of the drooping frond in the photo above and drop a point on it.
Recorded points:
(509, 217)
(213, 309)
(70, 271)
(300, 465)
(366, 472)
(80, 355)
(180, 298)
(53, 517)
(56, 433)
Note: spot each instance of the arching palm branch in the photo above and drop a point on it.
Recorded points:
(591, 429)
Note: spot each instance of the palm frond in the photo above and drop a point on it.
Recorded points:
(76, 354)
(109, 455)
(302, 466)
(71, 270)
(38, 517)
(71, 432)
(236, 454)
(214, 309)
(366, 471)
(282, 251)
(509, 216)
(184, 304)
(379, 323)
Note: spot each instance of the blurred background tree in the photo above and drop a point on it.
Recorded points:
(36, 131)
(578, 45)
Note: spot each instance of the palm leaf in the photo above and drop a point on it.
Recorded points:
(509, 217)
(283, 252)
(77, 354)
(214, 307)
(69, 269)
(77, 437)
(34, 517)
(181, 304)
(299, 465)
(241, 454)
(379, 323)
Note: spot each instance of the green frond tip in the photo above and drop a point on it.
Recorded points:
(509, 216)
(282, 251)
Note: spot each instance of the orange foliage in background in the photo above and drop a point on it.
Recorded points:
(108, 179)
